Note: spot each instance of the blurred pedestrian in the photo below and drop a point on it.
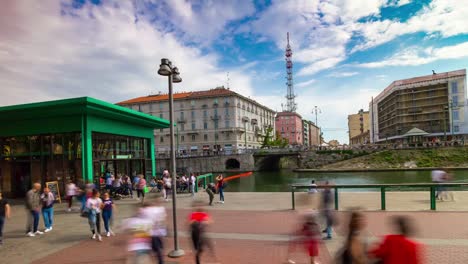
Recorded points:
(211, 189)
(108, 207)
(157, 214)
(220, 182)
(140, 188)
(139, 244)
(307, 236)
(71, 191)
(438, 177)
(127, 185)
(327, 211)
(167, 186)
(193, 182)
(33, 206)
(48, 200)
(5, 213)
(198, 223)
(354, 250)
(398, 248)
(93, 206)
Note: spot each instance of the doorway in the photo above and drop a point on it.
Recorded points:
(21, 179)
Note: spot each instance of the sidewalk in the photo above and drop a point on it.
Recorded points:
(256, 235)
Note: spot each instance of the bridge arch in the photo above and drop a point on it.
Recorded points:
(232, 164)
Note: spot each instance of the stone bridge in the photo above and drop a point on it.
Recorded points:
(259, 160)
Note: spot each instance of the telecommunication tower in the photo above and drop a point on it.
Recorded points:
(290, 104)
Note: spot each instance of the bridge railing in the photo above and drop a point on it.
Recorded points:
(431, 187)
(204, 178)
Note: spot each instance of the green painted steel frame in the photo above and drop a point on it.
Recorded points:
(383, 189)
(83, 114)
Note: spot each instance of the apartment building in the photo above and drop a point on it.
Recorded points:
(358, 127)
(289, 126)
(210, 121)
(429, 108)
(311, 133)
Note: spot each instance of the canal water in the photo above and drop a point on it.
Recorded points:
(278, 181)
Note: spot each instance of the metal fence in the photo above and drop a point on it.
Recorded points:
(431, 187)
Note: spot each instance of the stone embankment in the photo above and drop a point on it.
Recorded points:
(455, 157)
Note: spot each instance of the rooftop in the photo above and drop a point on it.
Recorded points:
(420, 79)
(216, 92)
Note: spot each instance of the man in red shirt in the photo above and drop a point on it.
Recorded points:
(397, 249)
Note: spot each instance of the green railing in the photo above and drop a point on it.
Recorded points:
(203, 178)
(432, 187)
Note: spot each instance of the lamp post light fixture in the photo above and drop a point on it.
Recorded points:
(166, 69)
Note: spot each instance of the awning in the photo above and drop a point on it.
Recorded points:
(206, 147)
(194, 148)
(415, 132)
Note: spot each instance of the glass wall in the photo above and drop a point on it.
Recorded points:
(121, 155)
(38, 158)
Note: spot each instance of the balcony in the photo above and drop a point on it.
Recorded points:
(245, 119)
(254, 121)
(182, 120)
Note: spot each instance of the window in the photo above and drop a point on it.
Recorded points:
(205, 113)
(455, 115)
(161, 139)
(182, 138)
(150, 106)
(282, 129)
(182, 127)
(205, 137)
(193, 137)
(454, 101)
(216, 136)
(226, 100)
(160, 105)
(161, 115)
(193, 114)
(456, 128)
(216, 124)
(216, 100)
(215, 111)
(228, 136)
(226, 123)
(454, 87)
(181, 105)
(181, 115)
(193, 125)
(226, 111)
(205, 125)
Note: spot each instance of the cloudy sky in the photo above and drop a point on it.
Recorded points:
(344, 51)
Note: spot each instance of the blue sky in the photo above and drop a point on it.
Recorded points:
(344, 51)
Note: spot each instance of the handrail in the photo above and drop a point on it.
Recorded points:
(203, 177)
(383, 188)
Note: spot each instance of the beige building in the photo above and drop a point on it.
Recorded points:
(210, 121)
(426, 109)
(311, 133)
(358, 127)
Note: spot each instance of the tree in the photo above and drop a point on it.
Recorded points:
(268, 140)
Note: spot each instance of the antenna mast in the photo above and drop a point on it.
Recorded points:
(290, 96)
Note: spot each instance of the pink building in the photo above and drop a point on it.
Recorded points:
(289, 126)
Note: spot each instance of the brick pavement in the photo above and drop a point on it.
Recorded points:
(255, 235)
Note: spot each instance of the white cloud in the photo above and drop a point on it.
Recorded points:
(417, 56)
(306, 83)
(194, 21)
(51, 50)
(444, 17)
(342, 74)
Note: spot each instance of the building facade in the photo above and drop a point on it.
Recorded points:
(289, 125)
(208, 122)
(306, 132)
(73, 139)
(358, 127)
(435, 105)
(315, 135)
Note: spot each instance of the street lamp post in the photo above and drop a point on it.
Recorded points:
(166, 69)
